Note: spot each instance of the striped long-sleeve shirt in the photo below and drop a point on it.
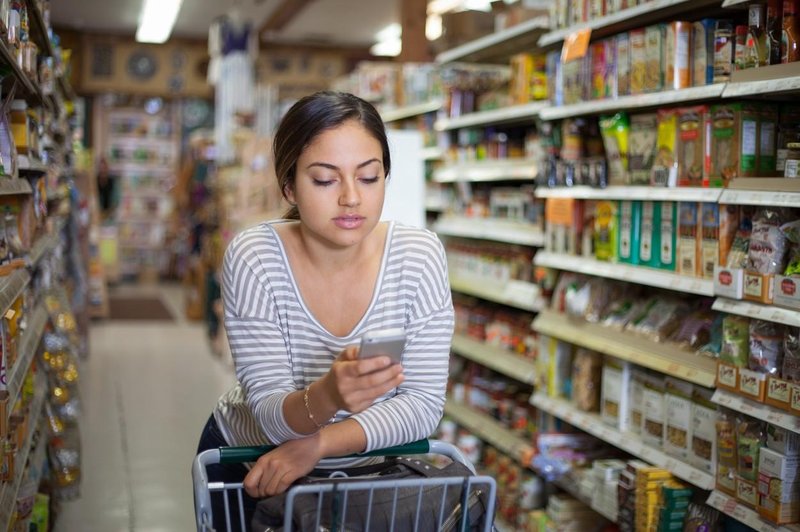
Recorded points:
(279, 347)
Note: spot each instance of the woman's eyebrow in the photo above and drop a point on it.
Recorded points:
(334, 167)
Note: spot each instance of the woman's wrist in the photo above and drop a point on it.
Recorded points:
(319, 409)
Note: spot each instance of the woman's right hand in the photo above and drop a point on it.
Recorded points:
(353, 384)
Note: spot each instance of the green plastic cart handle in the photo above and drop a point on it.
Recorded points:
(237, 455)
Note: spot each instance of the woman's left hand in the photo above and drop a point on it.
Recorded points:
(274, 472)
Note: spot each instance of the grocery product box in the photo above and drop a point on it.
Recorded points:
(654, 57)
(606, 231)
(664, 171)
(677, 57)
(767, 131)
(647, 241)
(786, 292)
(727, 377)
(752, 384)
(758, 287)
(703, 52)
(623, 64)
(666, 241)
(691, 145)
(729, 282)
(779, 393)
(709, 243)
(734, 142)
(642, 147)
(747, 492)
(629, 228)
(794, 401)
(689, 235)
(614, 408)
(678, 417)
(653, 415)
(783, 441)
(638, 60)
(703, 453)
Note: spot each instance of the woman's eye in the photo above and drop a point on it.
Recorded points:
(323, 182)
(369, 180)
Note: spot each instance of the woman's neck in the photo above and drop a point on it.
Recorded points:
(328, 258)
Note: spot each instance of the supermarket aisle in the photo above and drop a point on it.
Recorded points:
(147, 389)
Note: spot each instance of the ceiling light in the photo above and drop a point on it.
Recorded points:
(392, 31)
(157, 20)
(387, 48)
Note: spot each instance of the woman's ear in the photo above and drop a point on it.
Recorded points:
(288, 193)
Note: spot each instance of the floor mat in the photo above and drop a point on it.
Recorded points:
(138, 308)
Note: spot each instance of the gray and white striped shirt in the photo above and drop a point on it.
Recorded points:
(279, 347)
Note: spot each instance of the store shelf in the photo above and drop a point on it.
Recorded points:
(10, 186)
(498, 45)
(760, 411)
(44, 245)
(25, 87)
(757, 311)
(759, 88)
(496, 358)
(410, 111)
(733, 508)
(9, 490)
(631, 443)
(507, 231)
(488, 430)
(765, 191)
(706, 195)
(432, 153)
(624, 272)
(488, 170)
(630, 18)
(30, 164)
(517, 294)
(12, 286)
(663, 357)
(514, 113)
(26, 351)
(735, 3)
(636, 101)
(570, 485)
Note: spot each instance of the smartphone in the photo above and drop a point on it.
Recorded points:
(388, 342)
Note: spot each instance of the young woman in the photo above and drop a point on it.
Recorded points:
(299, 293)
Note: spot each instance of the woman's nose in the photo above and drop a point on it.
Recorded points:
(349, 196)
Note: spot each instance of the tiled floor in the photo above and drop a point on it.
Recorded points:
(147, 388)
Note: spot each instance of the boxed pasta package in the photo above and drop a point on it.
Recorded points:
(703, 451)
(678, 410)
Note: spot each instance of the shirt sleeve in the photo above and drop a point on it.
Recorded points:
(256, 339)
(416, 408)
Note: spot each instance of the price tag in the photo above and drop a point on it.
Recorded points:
(10, 313)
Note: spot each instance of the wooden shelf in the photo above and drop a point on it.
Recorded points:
(517, 294)
(488, 170)
(489, 430)
(630, 18)
(432, 153)
(625, 272)
(761, 411)
(663, 357)
(515, 113)
(497, 46)
(630, 443)
(644, 193)
(410, 111)
(496, 358)
(733, 508)
(635, 101)
(506, 231)
(758, 311)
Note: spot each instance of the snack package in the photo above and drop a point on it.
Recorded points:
(701, 518)
(792, 232)
(642, 147)
(750, 437)
(766, 347)
(622, 311)
(615, 131)
(735, 341)
(664, 172)
(768, 244)
(587, 372)
(661, 320)
(726, 451)
(694, 331)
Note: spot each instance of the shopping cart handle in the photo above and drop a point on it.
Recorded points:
(237, 455)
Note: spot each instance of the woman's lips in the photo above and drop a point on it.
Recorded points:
(348, 222)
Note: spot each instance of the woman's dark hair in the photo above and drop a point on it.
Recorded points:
(313, 115)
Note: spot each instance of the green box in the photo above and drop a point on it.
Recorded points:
(648, 234)
(666, 237)
(628, 219)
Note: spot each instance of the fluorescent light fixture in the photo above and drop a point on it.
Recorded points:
(433, 27)
(157, 20)
(387, 48)
(392, 31)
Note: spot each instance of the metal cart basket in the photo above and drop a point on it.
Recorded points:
(445, 517)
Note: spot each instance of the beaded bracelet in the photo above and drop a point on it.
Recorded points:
(308, 408)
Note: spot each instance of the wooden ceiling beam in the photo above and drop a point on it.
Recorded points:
(283, 14)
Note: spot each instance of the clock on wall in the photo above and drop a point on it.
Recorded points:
(142, 65)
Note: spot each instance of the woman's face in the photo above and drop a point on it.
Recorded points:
(340, 184)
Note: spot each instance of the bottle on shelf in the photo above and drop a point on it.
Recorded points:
(790, 51)
(756, 45)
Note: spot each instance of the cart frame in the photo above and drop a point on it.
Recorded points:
(470, 485)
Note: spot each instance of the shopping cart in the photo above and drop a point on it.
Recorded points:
(445, 517)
